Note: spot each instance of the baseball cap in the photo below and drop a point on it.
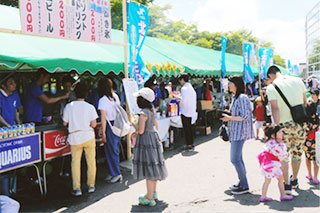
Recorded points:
(145, 93)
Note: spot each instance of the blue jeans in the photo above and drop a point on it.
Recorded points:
(237, 161)
(112, 151)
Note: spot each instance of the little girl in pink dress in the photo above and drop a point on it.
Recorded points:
(270, 162)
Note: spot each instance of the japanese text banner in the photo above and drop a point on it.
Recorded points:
(84, 20)
(138, 26)
(223, 56)
(266, 60)
(248, 74)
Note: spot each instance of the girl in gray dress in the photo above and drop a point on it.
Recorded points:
(148, 160)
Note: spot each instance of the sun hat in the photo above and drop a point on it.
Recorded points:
(258, 99)
(145, 93)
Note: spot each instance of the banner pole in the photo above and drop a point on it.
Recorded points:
(259, 74)
(126, 69)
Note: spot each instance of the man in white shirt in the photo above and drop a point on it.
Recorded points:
(80, 117)
(188, 109)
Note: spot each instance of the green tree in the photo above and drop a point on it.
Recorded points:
(279, 61)
(116, 12)
(14, 3)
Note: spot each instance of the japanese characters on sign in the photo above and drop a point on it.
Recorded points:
(138, 24)
(84, 20)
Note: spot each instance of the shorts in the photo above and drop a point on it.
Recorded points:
(259, 124)
(310, 149)
(294, 138)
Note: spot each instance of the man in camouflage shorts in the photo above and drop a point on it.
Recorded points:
(294, 134)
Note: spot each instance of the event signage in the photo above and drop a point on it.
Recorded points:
(19, 151)
(265, 60)
(83, 20)
(247, 55)
(55, 144)
(223, 56)
(138, 25)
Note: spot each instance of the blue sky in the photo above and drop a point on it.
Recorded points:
(279, 21)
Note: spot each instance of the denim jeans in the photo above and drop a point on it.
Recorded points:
(237, 161)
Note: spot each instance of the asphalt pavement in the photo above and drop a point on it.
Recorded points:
(198, 181)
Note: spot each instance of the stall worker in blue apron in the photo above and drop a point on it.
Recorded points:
(9, 103)
(34, 98)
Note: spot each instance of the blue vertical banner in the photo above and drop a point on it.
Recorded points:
(266, 60)
(295, 70)
(138, 25)
(248, 76)
(223, 56)
(289, 66)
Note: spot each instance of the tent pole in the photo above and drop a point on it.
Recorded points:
(126, 70)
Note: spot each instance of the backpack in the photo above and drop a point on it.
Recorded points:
(121, 126)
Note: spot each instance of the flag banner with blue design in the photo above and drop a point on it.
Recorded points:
(223, 56)
(248, 76)
(266, 60)
(289, 66)
(138, 25)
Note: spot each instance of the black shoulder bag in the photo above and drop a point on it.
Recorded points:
(298, 113)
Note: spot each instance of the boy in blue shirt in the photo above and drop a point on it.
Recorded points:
(9, 103)
(34, 98)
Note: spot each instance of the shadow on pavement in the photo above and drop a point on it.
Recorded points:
(248, 199)
(305, 198)
(189, 153)
(160, 207)
(59, 196)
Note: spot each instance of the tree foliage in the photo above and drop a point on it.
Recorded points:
(162, 27)
(116, 12)
(14, 3)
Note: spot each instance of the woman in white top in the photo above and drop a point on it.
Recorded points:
(111, 141)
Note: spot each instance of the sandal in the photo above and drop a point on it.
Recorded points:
(286, 198)
(265, 199)
(309, 177)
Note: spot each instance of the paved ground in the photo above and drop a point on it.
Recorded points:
(198, 182)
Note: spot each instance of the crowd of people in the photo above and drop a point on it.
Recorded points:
(285, 138)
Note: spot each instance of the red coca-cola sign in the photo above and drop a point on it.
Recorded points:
(55, 144)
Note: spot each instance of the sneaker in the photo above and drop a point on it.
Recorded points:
(286, 198)
(294, 183)
(188, 148)
(287, 189)
(240, 191)
(265, 199)
(145, 202)
(315, 181)
(309, 177)
(108, 178)
(234, 186)
(91, 189)
(76, 192)
(155, 196)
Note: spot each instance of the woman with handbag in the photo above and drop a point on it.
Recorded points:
(111, 141)
(240, 128)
